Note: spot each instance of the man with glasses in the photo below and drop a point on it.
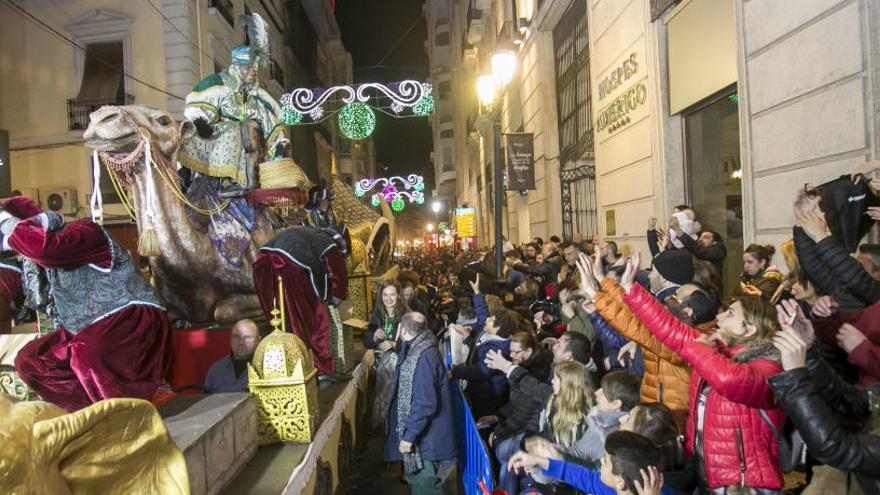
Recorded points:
(229, 374)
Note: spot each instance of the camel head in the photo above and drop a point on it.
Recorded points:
(116, 129)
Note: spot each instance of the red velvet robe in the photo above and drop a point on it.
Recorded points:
(124, 354)
(306, 313)
(10, 288)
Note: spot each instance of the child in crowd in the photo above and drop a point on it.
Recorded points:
(628, 467)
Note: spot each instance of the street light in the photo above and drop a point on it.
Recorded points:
(430, 227)
(503, 64)
(435, 207)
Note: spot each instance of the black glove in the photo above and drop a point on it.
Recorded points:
(203, 128)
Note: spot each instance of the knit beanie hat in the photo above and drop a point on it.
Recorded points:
(675, 265)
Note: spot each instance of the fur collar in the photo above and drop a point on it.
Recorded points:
(756, 350)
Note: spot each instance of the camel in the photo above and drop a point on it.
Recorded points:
(191, 278)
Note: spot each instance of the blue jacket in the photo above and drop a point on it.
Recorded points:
(430, 425)
(612, 341)
(487, 389)
(583, 479)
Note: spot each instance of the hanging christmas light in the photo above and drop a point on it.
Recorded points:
(394, 190)
(357, 121)
(358, 104)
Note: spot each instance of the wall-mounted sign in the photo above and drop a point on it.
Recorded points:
(626, 109)
(466, 222)
(610, 223)
(618, 76)
(520, 162)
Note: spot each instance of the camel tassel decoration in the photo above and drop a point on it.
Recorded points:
(148, 244)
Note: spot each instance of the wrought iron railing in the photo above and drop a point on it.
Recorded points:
(78, 112)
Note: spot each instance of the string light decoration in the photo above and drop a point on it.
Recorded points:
(394, 190)
(356, 105)
(357, 121)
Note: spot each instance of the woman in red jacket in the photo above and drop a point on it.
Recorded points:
(731, 430)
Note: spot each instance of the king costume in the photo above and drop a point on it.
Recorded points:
(226, 102)
(312, 270)
(112, 337)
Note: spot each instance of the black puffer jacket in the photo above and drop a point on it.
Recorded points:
(522, 409)
(839, 422)
(834, 272)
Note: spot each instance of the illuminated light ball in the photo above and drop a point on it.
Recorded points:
(389, 190)
(375, 201)
(357, 121)
(425, 106)
(289, 116)
(420, 200)
(359, 192)
(390, 197)
(420, 186)
(397, 204)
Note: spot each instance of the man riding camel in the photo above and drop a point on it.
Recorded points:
(236, 118)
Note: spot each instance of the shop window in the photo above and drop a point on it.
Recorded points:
(714, 175)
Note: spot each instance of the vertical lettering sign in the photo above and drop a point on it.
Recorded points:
(520, 162)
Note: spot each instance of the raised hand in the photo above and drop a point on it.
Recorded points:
(651, 482)
(792, 349)
(652, 222)
(849, 337)
(629, 276)
(825, 306)
(588, 283)
(524, 461)
(598, 268)
(496, 361)
(790, 316)
(813, 223)
(475, 285)
(864, 169)
(630, 348)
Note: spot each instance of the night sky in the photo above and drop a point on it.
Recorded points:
(370, 28)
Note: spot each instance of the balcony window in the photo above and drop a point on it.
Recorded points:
(103, 83)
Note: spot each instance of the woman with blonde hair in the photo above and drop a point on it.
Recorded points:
(563, 422)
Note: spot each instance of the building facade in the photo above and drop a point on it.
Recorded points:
(60, 60)
(640, 105)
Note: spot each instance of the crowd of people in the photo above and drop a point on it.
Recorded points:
(596, 372)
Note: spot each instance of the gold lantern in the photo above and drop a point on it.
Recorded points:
(282, 377)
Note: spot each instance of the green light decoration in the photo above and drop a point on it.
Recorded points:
(397, 204)
(375, 201)
(289, 116)
(420, 187)
(357, 121)
(425, 106)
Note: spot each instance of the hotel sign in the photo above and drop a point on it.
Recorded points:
(623, 111)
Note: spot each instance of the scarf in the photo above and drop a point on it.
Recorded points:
(412, 461)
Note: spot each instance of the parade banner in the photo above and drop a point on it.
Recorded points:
(520, 161)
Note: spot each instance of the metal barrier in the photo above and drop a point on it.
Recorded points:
(474, 465)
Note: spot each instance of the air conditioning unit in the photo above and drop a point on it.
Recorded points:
(62, 201)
